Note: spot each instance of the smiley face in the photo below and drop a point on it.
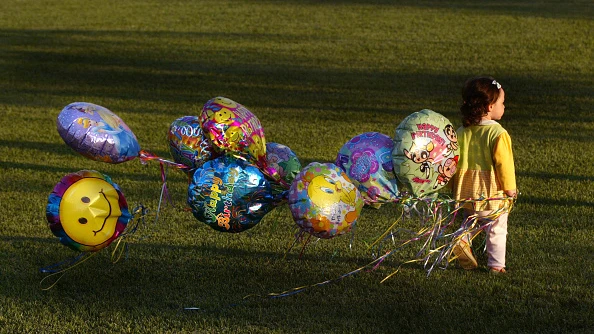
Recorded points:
(89, 211)
(225, 102)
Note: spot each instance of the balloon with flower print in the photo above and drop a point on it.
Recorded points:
(425, 153)
(367, 160)
(323, 200)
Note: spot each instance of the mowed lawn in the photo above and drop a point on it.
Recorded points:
(316, 74)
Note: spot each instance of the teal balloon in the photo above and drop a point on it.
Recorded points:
(284, 161)
(230, 195)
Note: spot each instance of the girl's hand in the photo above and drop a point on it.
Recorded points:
(511, 193)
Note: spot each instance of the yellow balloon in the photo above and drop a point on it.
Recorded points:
(89, 211)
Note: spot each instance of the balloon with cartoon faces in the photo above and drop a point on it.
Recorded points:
(323, 200)
(87, 211)
(97, 133)
(367, 159)
(425, 153)
(187, 143)
(232, 128)
(230, 195)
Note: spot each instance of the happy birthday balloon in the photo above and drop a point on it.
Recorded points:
(425, 153)
(97, 133)
(323, 200)
(282, 159)
(367, 160)
(187, 143)
(87, 211)
(230, 195)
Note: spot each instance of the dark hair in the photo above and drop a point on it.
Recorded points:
(477, 94)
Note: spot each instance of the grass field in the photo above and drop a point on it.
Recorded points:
(316, 73)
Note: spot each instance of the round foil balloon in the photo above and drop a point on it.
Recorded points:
(187, 143)
(87, 211)
(367, 160)
(97, 133)
(425, 153)
(229, 194)
(323, 200)
(282, 159)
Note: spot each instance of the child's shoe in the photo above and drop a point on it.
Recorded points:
(497, 271)
(464, 254)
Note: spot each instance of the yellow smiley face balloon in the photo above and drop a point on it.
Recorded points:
(87, 211)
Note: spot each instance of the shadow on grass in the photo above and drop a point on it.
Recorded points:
(165, 279)
(215, 279)
(567, 9)
(70, 63)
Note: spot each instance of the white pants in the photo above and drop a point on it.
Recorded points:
(496, 238)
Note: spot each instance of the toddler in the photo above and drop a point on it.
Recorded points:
(485, 167)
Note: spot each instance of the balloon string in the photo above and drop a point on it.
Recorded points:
(434, 232)
(305, 287)
(389, 230)
(298, 236)
(164, 190)
(70, 263)
(138, 219)
(148, 156)
(303, 248)
(352, 236)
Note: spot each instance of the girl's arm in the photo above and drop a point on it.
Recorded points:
(503, 159)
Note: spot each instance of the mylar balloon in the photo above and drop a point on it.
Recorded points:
(229, 194)
(282, 159)
(97, 133)
(87, 211)
(367, 160)
(425, 153)
(187, 143)
(231, 127)
(323, 200)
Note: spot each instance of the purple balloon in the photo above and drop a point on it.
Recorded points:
(367, 159)
(97, 133)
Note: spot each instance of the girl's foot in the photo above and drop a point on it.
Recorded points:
(497, 271)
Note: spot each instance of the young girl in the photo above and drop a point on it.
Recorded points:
(485, 167)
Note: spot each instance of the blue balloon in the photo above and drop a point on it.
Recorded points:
(230, 194)
(97, 133)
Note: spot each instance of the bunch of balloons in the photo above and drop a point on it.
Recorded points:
(422, 157)
(236, 177)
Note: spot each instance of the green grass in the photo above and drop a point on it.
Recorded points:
(316, 73)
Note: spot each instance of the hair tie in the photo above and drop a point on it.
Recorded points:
(496, 84)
